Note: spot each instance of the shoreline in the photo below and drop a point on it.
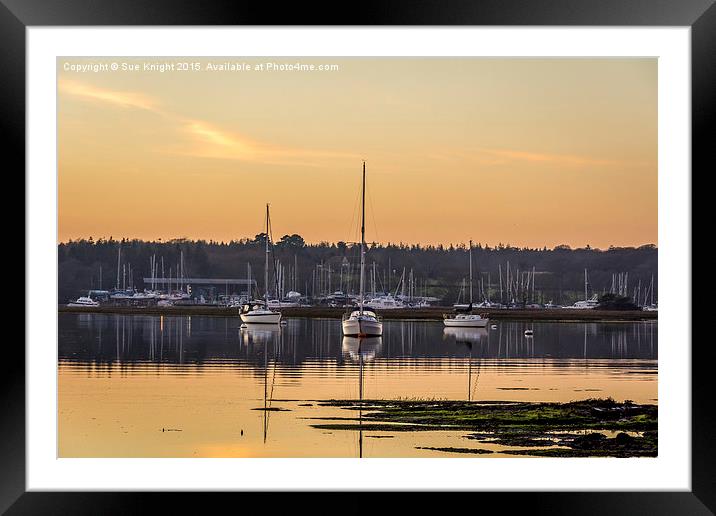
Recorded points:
(428, 314)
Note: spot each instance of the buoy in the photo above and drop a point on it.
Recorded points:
(528, 332)
(243, 327)
(494, 327)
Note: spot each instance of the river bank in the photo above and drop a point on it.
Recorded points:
(432, 313)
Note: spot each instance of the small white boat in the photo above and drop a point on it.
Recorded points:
(463, 317)
(465, 320)
(386, 303)
(83, 301)
(587, 304)
(259, 312)
(362, 322)
(275, 303)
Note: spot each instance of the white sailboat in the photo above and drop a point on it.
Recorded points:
(259, 312)
(362, 322)
(464, 318)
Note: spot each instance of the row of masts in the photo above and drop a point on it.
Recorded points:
(513, 286)
(125, 273)
(620, 287)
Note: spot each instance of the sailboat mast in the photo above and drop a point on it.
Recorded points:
(119, 260)
(651, 290)
(470, 272)
(266, 265)
(362, 240)
(585, 284)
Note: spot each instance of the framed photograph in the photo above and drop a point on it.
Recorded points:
(426, 251)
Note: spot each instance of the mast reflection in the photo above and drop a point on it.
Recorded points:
(469, 337)
(361, 350)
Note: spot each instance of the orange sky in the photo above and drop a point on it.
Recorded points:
(530, 152)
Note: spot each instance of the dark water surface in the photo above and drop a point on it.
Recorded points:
(153, 386)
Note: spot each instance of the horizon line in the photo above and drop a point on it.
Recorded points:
(384, 244)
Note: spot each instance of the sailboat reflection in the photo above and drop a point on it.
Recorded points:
(468, 337)
(266, 335)
(361, 350)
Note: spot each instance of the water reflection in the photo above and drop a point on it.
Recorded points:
(263, 336)
(135, 340)
(469, 337)
(256, 391)
(361, 349)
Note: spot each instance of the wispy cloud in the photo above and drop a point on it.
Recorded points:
(211, 141)
(123, 99)
(545, 157)
(205, 139)
(499, 157)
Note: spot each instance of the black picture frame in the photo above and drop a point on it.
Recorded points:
(699, 15)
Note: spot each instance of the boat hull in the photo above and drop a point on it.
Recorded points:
(466, 323)
(265, 317)
(362, 327)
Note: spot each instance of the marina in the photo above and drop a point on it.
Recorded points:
(382, 278)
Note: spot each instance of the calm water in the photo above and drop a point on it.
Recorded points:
(151, 386)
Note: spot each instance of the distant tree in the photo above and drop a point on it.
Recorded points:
(291, 242)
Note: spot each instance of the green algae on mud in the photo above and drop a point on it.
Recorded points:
(603, 414)
(520, 424)
(598, 445)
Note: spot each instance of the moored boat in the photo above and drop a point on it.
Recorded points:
(362, 322)
(83, 301)
(465, 320)
(463, 316)
(259, 312)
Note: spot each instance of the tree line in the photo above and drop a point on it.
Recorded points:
(438, 270)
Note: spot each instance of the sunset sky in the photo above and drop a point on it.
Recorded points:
(531, 152)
